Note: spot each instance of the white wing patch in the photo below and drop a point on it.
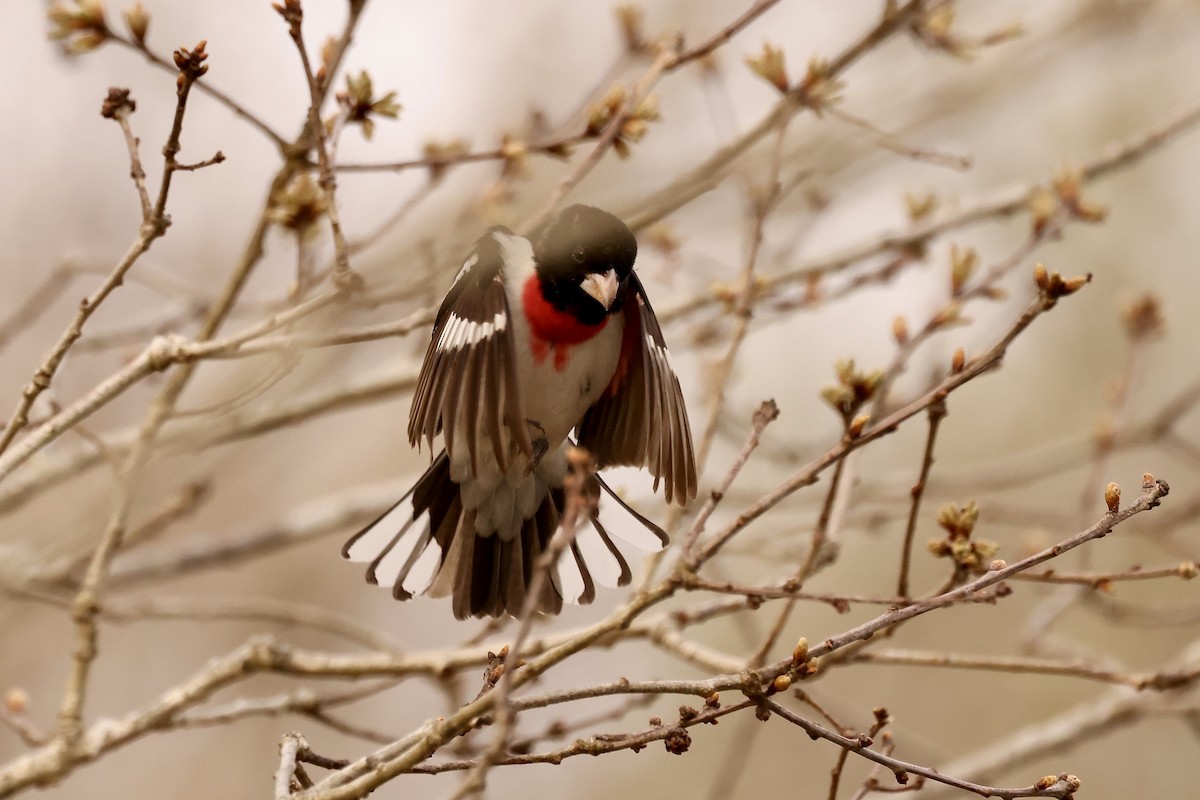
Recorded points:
(518, 259)
(459, 332)
(466, 267)
(448, 330)
(660, 353)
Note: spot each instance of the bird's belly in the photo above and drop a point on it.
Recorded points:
(558, 385)
(562, 381)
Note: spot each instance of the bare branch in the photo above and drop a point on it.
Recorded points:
(1063, 787)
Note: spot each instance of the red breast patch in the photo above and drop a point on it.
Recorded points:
(551, 328)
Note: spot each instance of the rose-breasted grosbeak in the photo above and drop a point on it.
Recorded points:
(535, 338)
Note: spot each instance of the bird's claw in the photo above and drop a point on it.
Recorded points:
(540, 448)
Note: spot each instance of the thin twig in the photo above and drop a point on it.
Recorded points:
(816, 557)
(1000, 204)
(285, 774)
(162, 353)
(153, 226)
(317, 88)
(576, 506)
(206, 88)
(878, 428)
(1161, 681)
(86, 604)
(892, 142)
(936, 412)
(1063, 788)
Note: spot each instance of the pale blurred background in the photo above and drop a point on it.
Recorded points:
(1085, 74)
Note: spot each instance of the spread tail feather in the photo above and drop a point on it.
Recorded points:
(427, 544)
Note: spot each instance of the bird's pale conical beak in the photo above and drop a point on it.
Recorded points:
(602, 286)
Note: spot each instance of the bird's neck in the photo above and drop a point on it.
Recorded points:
(551, 324)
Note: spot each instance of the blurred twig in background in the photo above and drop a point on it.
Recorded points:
(203, 447)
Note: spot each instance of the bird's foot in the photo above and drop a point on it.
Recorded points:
(540, 448)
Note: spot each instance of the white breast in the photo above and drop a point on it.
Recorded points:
(556, 399)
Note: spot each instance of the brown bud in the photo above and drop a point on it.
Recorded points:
(767, 412)
(16, 701)
(1089, 212)
(513, 151)
(80, 25)
(812, 288)
(938, 548)
(1042, 206)
(950, 314)
(578, 458)
(857, 424)
(1041, 277)
(770, 66)
(1072, 285)
(900, 330)
(1143, 317)
(301, 205)
(629, 18)
(1066, 182)
(137, 19)
(962, 265)
(819, 89)
(1112, 498)
(600, 114)
(1046, 782)
(781, 683)
(292, 13)
(840, 397)
(919, 206)
(678, 741)
(117, 103)
(440, 154)
(190, 63)
(958, 361)
(800, 654)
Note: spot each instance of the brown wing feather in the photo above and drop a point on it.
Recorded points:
(468, 389)
(642, 419)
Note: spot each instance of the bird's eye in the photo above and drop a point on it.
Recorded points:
(579, 255)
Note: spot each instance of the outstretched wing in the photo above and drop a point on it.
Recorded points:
(641, 420)
(468, 385)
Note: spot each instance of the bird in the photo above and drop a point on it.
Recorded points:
(538, 338)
